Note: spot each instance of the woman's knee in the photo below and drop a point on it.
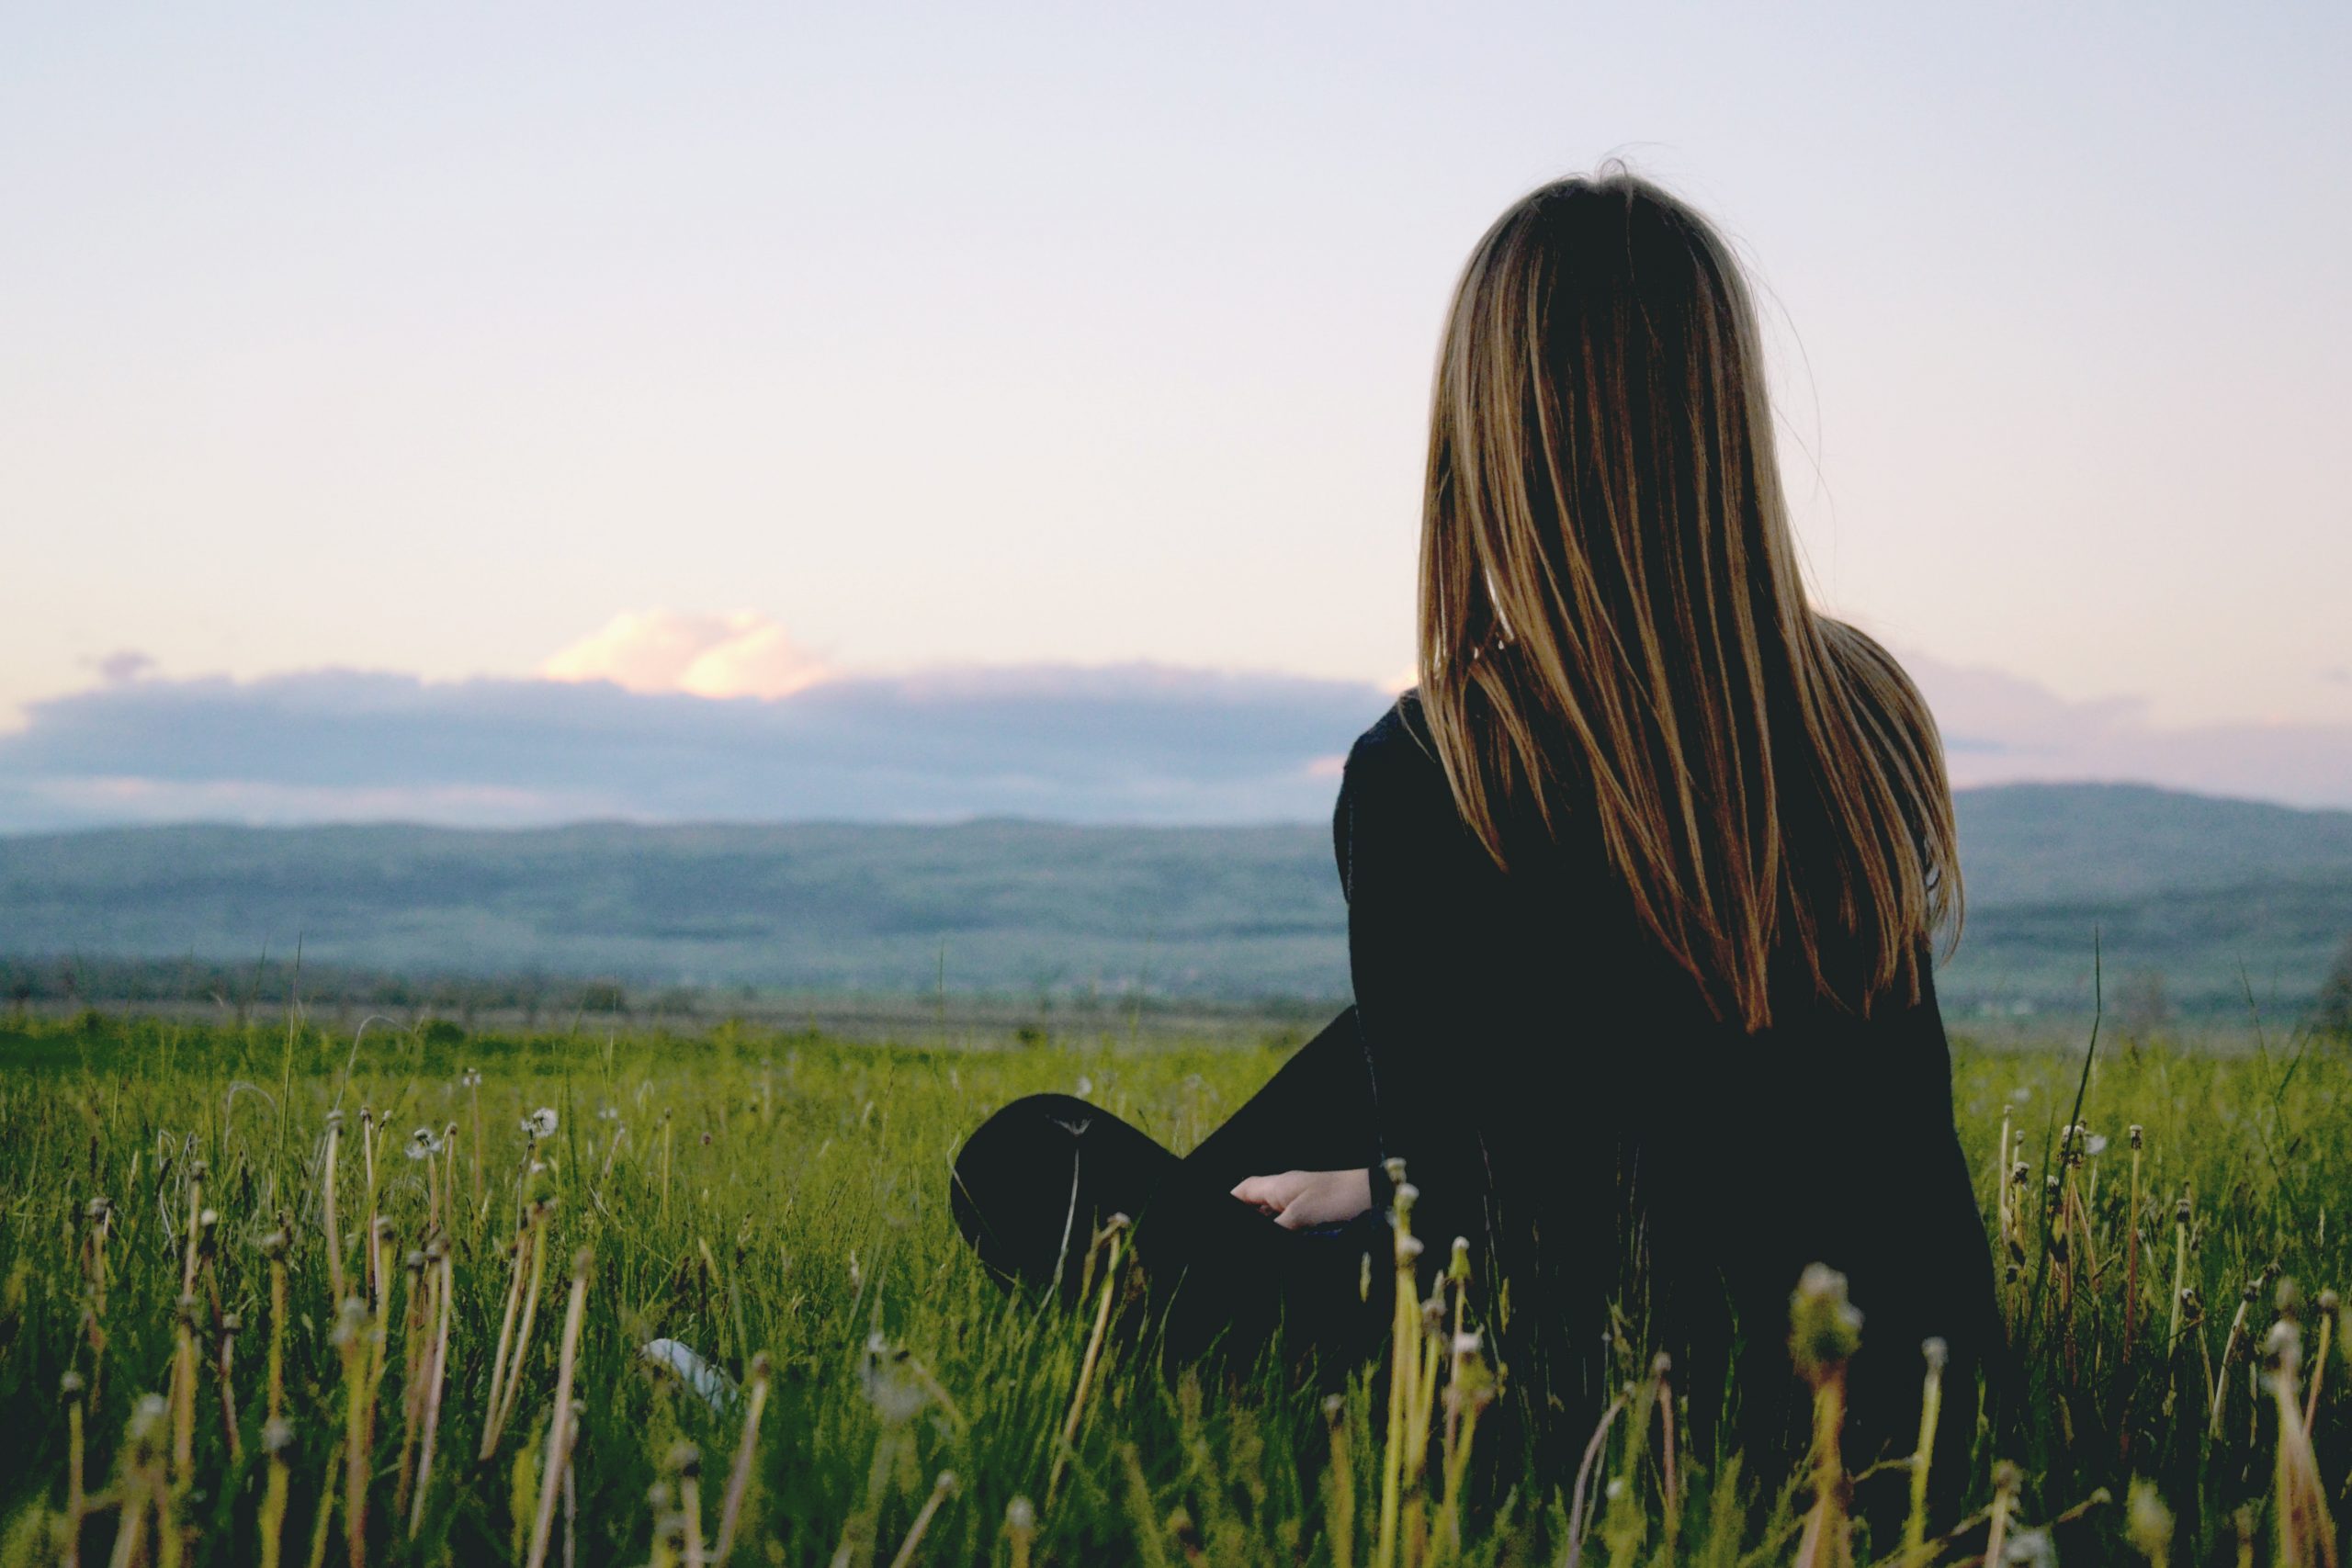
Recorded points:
(1025, 1186)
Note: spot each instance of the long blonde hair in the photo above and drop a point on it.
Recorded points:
(1612, 617)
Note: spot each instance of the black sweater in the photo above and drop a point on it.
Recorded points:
(1561, 1097)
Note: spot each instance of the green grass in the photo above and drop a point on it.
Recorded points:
(753, 1193)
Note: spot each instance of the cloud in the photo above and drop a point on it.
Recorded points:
(740, 655)
(2000, 729)
(124, 664)
(1138, 742)
(644, 721)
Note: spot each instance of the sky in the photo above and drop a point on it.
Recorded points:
(666, 375)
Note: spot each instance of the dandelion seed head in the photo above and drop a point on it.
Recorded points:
(2030, 1548)
(147, 1419)
(1825, 1326)
(2148, 1522)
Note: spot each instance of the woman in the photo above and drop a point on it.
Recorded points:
(1641, 880)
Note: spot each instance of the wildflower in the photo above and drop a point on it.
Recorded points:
(470, 1077)
(1085, 1087)
(608, 1114)
(540, 1123)
(423, 1143)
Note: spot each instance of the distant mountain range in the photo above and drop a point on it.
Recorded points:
(2199, 902)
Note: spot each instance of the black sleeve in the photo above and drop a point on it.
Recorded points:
(1428, 938)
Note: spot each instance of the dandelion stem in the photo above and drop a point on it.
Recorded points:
(739, 1475)
(559, 1431)
(444, 1307)
(905, 1556)
(1116, 1231)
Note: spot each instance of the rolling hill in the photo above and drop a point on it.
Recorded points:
(2199, 902)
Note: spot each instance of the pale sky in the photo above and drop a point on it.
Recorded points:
(430, 339)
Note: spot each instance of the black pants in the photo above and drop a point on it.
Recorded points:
(1036, 1179)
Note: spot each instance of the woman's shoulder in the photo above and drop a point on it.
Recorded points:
(1393, 771)
(1392, 789)
(1397, 743)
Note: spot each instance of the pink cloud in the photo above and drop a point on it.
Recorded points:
(744, 654)
(2003, 729)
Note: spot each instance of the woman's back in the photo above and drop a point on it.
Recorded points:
(1631, 1163)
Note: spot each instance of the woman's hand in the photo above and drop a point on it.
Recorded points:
(1298, 1198)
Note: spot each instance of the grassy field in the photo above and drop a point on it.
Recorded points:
(201, 1361)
